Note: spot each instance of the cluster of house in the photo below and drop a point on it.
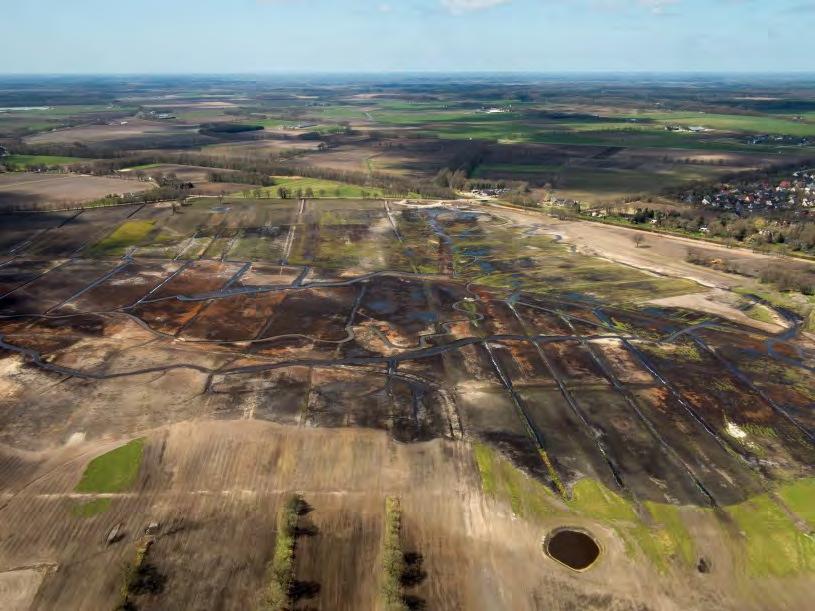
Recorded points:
(300, 125)
(785, 140)
(154, 114)
(794, 193)
(489, 192)
(695, 129)
(494, 110)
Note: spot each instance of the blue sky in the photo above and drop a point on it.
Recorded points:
(251, 36)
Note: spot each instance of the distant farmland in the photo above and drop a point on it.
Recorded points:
(30, 190)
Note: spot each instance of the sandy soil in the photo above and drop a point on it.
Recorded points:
(19, 587)
(724, 304)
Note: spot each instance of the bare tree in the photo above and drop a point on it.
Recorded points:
(638, 239)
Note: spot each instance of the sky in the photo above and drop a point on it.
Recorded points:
(268, 36)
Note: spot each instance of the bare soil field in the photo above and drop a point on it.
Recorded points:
(20, 191)
(265, 146)
(160, 402)
(212, 489)
(414, 157)
(133, 130)
(198, 176)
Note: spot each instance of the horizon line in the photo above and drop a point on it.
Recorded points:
(309, 72)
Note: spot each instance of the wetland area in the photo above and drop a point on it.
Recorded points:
(171, 376)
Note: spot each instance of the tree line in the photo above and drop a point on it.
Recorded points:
(262, 170)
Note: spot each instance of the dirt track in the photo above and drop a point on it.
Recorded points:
(664, 255)
(660, 253)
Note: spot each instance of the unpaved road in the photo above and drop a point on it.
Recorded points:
(664, 255)
(660, 253)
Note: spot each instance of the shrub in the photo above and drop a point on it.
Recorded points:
(281, 568)
(393, 559)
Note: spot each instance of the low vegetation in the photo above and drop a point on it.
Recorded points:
(140, 577)
(781, 277)
(760, 313)
(286, 187)
(115, 471)
(37, 162)
(773, 544)
(393, 558)
(91, 508)
(106, 163)
(281, 568)
(130, 575)
(126, 235)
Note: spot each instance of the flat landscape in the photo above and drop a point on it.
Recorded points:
(406, 344)
(22, 190)
(344, 348)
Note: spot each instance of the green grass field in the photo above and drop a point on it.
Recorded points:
(509, 129)
(115, 471)
(202, 116)
(320, 187)
(749, 124)
(772, 544)
(601, 184)
(800, 497)
(338, 113)
(123, 237)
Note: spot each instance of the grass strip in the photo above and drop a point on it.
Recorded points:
(281, 568)
(393, 558)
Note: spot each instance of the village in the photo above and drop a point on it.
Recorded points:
(795, 193)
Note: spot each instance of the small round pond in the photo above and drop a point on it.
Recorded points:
(575, 548)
